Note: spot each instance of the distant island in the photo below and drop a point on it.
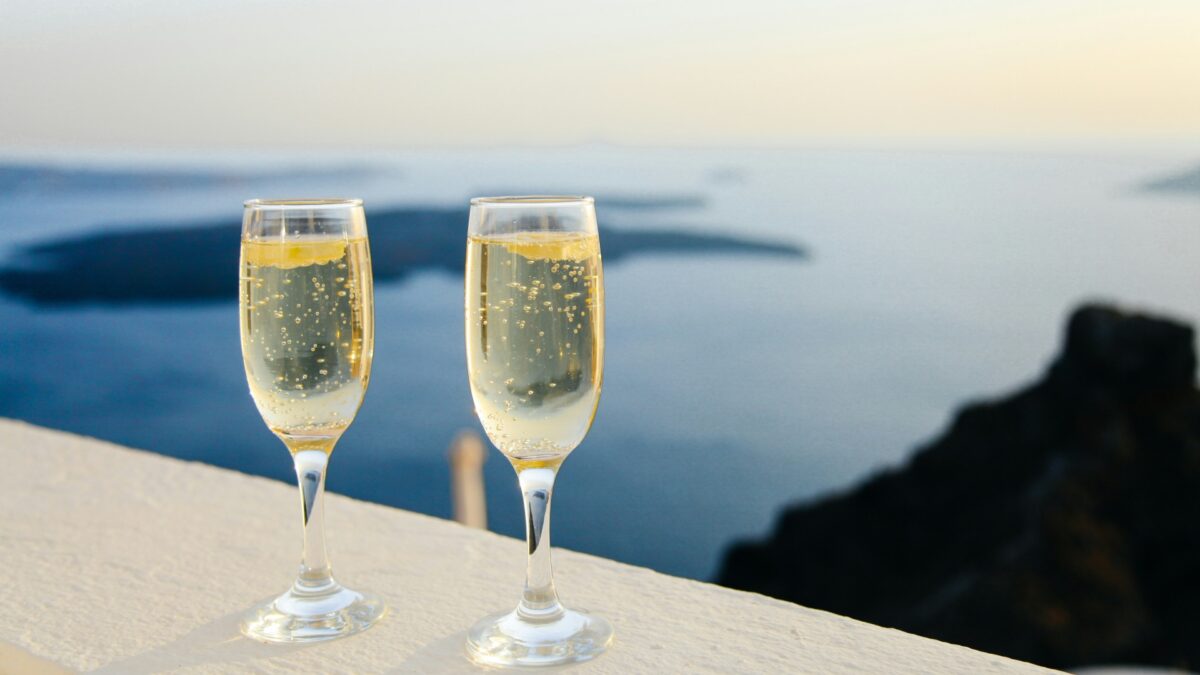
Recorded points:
(630, 202)
(1188, 181)
(198, 263)
(42, 177)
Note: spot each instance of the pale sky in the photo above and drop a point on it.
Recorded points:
(385, 73)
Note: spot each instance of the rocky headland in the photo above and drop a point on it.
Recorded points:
(1059, 525)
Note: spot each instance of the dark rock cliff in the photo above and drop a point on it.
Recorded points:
(1060, 525)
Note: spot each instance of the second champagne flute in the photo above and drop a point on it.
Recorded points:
(535, 357)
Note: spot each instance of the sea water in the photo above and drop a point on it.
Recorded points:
(934, 279)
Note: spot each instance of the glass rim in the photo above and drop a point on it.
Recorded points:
(533, 200)
(302, 204)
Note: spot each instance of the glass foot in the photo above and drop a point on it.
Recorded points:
(512, 640)
(302, 616)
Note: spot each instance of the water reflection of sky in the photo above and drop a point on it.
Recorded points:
(734, 383)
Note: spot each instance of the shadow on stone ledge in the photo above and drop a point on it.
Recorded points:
(1060, 525)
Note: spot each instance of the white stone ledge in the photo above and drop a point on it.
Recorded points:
(129, 562)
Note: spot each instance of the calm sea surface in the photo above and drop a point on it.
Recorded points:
(735, 383)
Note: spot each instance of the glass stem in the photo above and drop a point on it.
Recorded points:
(316, 576)
(539, 601)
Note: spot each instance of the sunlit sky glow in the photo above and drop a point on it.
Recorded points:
(380, 73)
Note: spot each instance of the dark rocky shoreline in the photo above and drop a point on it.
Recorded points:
(1059, 525)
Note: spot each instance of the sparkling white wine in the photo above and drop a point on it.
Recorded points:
(535, 339)
(307, 334)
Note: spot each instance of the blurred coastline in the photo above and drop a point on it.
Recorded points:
(1055, 524)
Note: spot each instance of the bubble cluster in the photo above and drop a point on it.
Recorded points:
(307, 335)
(535, 354)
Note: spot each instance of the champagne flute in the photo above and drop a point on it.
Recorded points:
(535, 357)
(308, 333)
